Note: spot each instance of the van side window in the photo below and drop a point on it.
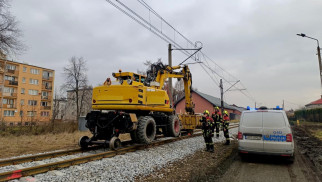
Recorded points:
(273, 120)
(252, 119)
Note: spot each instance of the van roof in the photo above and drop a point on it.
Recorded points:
(270, 110)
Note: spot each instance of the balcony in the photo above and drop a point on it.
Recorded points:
(14, 72)
(9, 94)
(45, 97)
(45, 107)
(45, 87)
(10, 83)
(9, 106)
(47, 78)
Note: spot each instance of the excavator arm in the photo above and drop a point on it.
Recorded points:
(183, 73)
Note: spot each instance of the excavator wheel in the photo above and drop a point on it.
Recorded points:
(146, 129)
(174, 126)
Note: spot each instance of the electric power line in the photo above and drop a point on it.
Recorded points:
(217, 70)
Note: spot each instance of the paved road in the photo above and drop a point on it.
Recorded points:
(265, 168)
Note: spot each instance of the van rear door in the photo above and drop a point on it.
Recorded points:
(274, 132)
(251, 127)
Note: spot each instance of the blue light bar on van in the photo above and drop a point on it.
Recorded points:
(278, 108)
(251, 109)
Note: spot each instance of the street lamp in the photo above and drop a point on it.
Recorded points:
(319, 55)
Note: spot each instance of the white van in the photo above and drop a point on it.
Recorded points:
(265, 131)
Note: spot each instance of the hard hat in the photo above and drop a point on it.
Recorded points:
(225, 112)
(206, 112)
(217, 108)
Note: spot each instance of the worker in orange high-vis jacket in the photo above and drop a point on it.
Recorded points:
(207, 130)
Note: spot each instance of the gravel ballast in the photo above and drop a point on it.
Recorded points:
(130, 165)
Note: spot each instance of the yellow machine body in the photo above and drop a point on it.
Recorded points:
(129, 93)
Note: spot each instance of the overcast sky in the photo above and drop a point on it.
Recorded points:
(254, 40)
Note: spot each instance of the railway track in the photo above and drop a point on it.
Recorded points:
(15, 174)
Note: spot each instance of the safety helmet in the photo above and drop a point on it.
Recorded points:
(206, 112)
(225, 112)
(217, 108)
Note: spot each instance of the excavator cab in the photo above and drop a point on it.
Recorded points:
(129, 78)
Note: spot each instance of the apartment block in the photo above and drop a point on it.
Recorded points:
(26, 93)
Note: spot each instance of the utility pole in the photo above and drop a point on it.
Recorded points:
(170, 79)
(319, 55)
(222, 96)
(320, 64)
(283, 105)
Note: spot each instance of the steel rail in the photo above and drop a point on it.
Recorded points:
(10, 175)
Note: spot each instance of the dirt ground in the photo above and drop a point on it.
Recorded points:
(309, 145)
(226, 165)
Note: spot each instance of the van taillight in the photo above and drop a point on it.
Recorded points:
(289, 137)
(240, 135)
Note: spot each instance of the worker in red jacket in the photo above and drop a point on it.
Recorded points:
(225, 127)
(216, 116)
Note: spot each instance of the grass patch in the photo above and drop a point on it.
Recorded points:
(318, 134)
(31, 144)
(38, 129)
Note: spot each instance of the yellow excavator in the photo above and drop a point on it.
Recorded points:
(138, 105)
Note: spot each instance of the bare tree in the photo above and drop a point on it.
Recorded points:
(76, 80)
(9, 32)
(146, 64)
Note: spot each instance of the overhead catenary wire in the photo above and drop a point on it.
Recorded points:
(217, 71)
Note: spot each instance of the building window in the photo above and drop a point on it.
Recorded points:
(8, 90)
(9, 113)
(22, 102)
(23, 80)
(21, 113)
(26, 123)
(11, 124)
(22, 91)
(10, 78)
(31, 113)
(7, 101)
(44, 113)
(32, 102)
(44, 104)
(33, 81)
(24, 69)
(10, 67)
(33, 92)
(34, 71)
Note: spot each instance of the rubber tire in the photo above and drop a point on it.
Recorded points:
(143, 135)
(174, 126)
(82, 142)
(115, 143)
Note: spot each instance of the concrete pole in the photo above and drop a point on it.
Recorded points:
(222, 97)
(320, 64)
(170, 79)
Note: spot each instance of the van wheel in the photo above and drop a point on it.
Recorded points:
(291, 159)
